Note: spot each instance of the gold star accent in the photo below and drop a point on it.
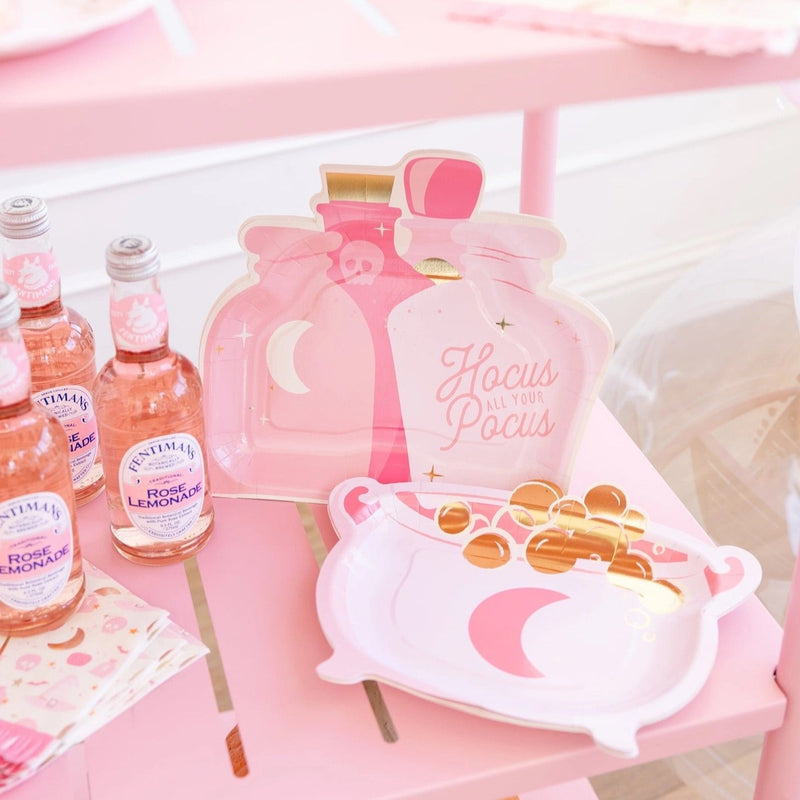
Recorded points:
(220, 348)
(272, 387)
(18, 682)
(559, 322)
(432, 474)
(51, 664)
(134, 631)
(503, 324)
(94, 688)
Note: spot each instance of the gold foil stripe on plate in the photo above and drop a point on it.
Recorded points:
(360, 187)
(216, 669)
(376, 700)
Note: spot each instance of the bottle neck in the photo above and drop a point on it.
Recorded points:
(361, 222)
(30, 266)
(139, 321)
(15, 373)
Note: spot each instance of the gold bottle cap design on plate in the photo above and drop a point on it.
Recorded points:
(359, 187)
(437, 269)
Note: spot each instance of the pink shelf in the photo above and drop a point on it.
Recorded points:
(263, 69)
(306, 738)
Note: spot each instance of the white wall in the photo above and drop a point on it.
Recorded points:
(645, 188)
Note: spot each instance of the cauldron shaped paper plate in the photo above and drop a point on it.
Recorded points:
(566, 613)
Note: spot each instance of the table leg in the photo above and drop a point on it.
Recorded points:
(779, 771)
(539, 146)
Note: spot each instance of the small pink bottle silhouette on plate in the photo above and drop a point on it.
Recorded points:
(377, 278)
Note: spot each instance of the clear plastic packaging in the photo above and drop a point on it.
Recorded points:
(708, 385)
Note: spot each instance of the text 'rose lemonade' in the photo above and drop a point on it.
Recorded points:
(149, 402)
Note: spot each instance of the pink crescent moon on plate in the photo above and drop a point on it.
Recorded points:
(495, 627)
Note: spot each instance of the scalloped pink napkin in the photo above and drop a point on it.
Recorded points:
(716, 27)
(59, 687)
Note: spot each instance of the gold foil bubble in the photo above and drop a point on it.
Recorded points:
(488, 551)
(568, 514)
(637, 618)
(589, 535)
(635, 523)
(522, 517)
(658, 597)
(548, 552)
(599, 544)
(454, 517)
(535, 497)
(605, 501)
(632, 565)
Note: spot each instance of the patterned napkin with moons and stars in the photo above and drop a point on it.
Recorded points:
(58, 687)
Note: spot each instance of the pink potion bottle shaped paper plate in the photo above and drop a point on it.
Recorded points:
(571, 613)
(399, 334)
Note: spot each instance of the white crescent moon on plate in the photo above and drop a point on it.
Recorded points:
(280, 355)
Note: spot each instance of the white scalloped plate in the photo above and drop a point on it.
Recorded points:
(31, 26)
(576, 650)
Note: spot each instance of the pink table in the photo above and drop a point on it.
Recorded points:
(262, 69)
(304, 738)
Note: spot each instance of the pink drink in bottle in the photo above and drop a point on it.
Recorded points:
(59, 341)
(150, 412)
(41, 572)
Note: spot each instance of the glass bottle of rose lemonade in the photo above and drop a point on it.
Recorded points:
(60, 342)
(41, 572)
(150, 414)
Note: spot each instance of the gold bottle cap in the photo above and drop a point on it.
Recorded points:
(437, 269)
(360, 187)
(24, 217)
